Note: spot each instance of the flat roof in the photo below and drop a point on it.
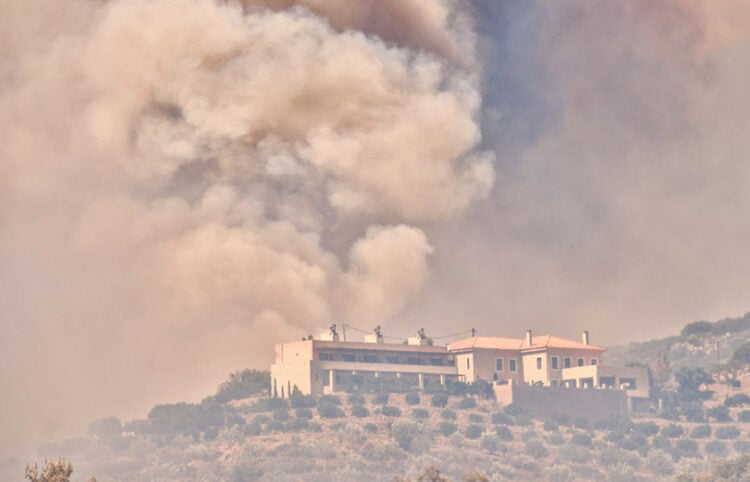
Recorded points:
(537, 343)
(360, 345)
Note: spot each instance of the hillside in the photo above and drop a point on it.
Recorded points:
(695, 346)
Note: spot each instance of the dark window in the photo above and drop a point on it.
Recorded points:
(450, 362)
(468, 365)
(498, 364)
(347, 357)
(370, 359)
(392, 360)
(554, 361)
(438, 362)
(325, 357)
(538, 363)
(580, 362)
(566, 362)
(629, 383)
(413, 360)
(512, 364)
(593, 361)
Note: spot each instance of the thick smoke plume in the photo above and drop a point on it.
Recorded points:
(186, 182)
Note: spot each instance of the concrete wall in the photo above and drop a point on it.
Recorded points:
(614, 376)
(289, 374)
(593, 404)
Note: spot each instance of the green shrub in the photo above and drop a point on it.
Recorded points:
(744, 416)
(380, 398)
(252, 429)
(303, 413)
(737, 400)
(528, 435)
(268, 404)
(447, 428)
(326, 410)
(720, 413)
(550, 426)
(439, 400)
(390, 411)
(467, 403)
(661, 442)
(646, 429)
(559, 418)
(356, 399)
(500, 418)
(659, 463)
(411, 398)
(716, 448)
(634, 442)
(281, 414)
(296, 424)
(404, 432)
(476, 418)
(513, 410)
(701, 431)
(581, 438)
(371, 428)
(504, 433)
(523, 420)
(672, 430)
(694, 412)
(329, 400)
(297, 400)
(727, 432)
(473, 431)
(420, 413)
(581, 422)
(488, 443)
(556, 439)
(274, 426)
(261, 419)
(360, 411)
(742, 446)
(536, 449)
(243, 385)
(314, 427)
(448, 414)
(687, 447)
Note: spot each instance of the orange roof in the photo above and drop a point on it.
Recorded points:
(486, 342)
(549, 341)
(538, 342)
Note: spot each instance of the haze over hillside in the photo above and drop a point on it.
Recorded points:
(184, 183)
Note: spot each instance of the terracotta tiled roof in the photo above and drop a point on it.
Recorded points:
(538, 342)
(486, 342)
(549, 341)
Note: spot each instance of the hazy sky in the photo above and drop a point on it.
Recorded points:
(179, 192)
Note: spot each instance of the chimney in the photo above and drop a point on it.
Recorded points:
(375, 337)
(419, 339)
(529, 338)
(331, 335)
(585, 337)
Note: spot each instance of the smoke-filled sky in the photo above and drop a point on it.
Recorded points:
(185, 182)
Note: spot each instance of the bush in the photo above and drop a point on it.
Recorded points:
(411, 398)
(281, 414)
(581, 438)
(581, 422)
(701, 431)
(420, 413)
(523, 420)
(659, 463)
(356, 399)
(473, 431)
(390, 411)
(728, 432)
(360, 411)
(694, 412)
(556, 439)
(489, 443)
(380, 398)
(329, 400)
(274, 426)
(243, 385)
(550, 426)
(500, 418)
(536, 449)
(716, 448)
(720, 413)
(528, 435)
(646, 429)
(439, 400)
(296, 424)
(268, 404)
(467, 403)
(303, 413)
(744, 416)
(297, 400)
(371, 428)
(687, 447)
(742, 446)
(737, 400)
(672, 430)
(326, 410)
(404, 433)
(314, 427)
(447, 429)
(513, 410)
(448, 414)
(476, 418)
(559, 418)
(504, 433)
(252, 429)
(661, 442)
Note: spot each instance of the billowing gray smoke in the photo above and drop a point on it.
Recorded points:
(185, 182)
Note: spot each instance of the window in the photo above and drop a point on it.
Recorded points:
(325, 357)
(554, 383)
(348, 357)
(438, 362)
(512, 364)
(566, 362)
(593, 361)
(413, 360)
(580, 362)
(370, 359)
(468, 365)
(554, 361)
(628, 383)
(538, 363)
(393, 360)
(498, 364)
